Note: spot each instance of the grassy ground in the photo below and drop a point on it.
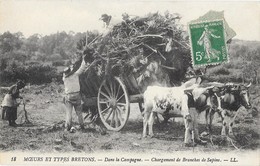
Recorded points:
(46, 134)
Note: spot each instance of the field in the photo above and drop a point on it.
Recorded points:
(46, 133)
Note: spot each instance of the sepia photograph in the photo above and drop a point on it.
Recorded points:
(142, 82)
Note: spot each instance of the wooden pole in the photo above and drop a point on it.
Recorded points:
(25, 114)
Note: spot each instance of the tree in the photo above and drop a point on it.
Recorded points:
(32, 44)
(251, 65)
(255, 62)
(3, 63)
(10, 42)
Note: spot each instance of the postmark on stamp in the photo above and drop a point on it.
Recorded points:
(208, 44)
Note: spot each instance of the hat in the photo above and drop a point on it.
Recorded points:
(103, 17)
(20, 83)
(66, 70)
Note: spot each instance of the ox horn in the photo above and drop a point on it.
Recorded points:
(248, 85)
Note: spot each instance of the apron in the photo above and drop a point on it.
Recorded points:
(9, 105)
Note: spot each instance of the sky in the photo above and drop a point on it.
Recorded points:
(50, 16)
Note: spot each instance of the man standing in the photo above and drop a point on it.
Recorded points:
(72, 97)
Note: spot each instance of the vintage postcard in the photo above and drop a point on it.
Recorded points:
(129, 82)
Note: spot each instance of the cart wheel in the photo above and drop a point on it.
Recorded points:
(113, 104)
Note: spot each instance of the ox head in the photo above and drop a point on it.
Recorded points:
(240, 92)
(214, 99)
(244, 95)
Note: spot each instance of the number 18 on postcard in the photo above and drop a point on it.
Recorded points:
(208, 44)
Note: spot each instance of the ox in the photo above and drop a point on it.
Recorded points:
(235, 96)
(207, 99)
(173, 101)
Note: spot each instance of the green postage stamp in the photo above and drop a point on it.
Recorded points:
(208, 44)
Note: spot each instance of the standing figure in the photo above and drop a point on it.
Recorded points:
(205, 41)
(10, 104)
(72, 97)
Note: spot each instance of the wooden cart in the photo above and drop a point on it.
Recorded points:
(111, 95)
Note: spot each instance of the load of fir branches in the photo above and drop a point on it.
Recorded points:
(153, 49)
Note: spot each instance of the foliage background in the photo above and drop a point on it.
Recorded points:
(40, 59)
(37, 59)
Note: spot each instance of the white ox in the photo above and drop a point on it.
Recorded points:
(173, 100)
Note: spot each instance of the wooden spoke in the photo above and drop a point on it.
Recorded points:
(111, 88)
(111, 110)
(107, 103)
(114, 89)
(119, 108)
(105, 110)
(107, 89)
(117, 93)
(116, 118)
(113, 118)
(105, 95)
(121, 104)
(119, 116)
(104, 101)
(120, 97)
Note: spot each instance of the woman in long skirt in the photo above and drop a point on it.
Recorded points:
(10, 104)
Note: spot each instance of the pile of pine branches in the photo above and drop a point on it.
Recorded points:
(153, 48)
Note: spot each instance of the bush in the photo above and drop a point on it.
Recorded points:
(3, 63)
(229, 65)
(58, 63)
(224, 78)
(38, 74)
(34, 74)
(221, 71)
(12, 72)
(222, 74)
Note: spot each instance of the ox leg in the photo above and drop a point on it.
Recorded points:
(230, 127)
(211, 116)
(69, 109)
(145, 122)
(207, 119)
(223, 117)
(195, 128)
(188, 135)
(78, 109)
(150, 123)
(194, 122)
(223, 131)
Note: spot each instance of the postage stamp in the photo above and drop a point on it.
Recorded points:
(208, 44)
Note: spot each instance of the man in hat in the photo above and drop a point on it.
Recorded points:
(109, 23)
(72, 98)
(106, 19)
